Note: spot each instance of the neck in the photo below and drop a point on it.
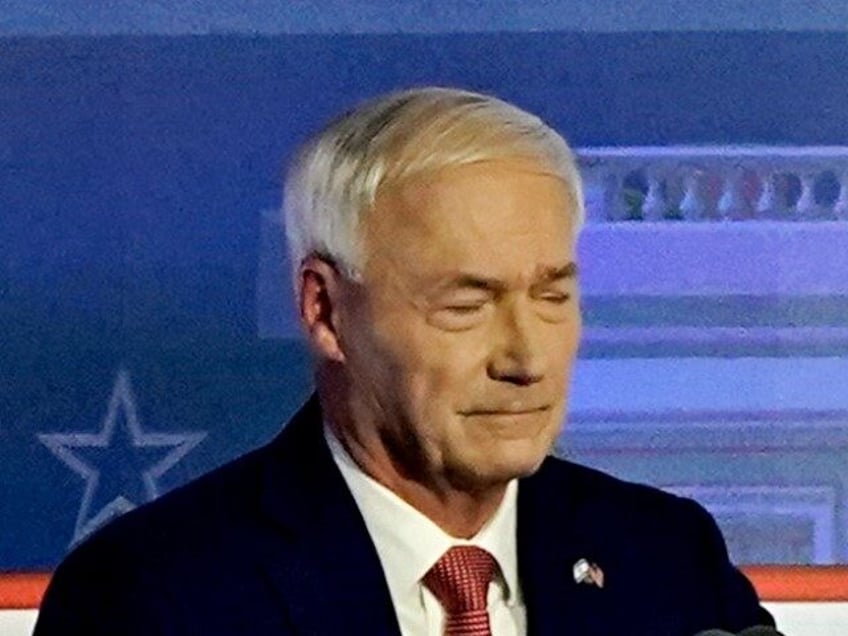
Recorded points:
(457, 506)
(457, 509)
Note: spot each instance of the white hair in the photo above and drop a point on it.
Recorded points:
(335, 178)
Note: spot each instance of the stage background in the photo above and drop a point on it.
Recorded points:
(147, 332)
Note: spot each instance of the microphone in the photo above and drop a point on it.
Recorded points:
(758, 630)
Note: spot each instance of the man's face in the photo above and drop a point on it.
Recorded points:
(459, 340)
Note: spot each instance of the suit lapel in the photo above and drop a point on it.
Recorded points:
(552, 536)
(328, 575)
(325, 568)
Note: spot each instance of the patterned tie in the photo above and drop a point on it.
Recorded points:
(460, 580)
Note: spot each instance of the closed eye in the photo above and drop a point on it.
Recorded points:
(464, 309)
(559, 299)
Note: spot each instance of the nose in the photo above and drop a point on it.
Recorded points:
(517, 356)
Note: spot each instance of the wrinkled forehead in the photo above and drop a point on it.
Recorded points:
(423, 194)
(507, 218)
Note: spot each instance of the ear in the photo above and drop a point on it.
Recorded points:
(319, 296)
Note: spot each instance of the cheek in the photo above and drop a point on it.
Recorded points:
(445, 369)
(378, 367)
(434, 381)
(563, 341)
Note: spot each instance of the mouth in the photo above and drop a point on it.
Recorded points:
(506, 411)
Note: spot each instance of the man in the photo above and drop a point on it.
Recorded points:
(433, 235)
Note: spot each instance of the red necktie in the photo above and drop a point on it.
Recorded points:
(460, 580)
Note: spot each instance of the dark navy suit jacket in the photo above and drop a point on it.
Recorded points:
(273, 543)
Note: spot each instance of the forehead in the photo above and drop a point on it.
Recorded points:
(508, 218)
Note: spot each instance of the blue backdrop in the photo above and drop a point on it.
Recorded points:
(134, 172)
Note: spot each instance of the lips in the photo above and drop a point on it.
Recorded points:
(506, 411)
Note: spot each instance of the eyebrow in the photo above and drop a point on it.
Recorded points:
(555, 274)
(474, 281)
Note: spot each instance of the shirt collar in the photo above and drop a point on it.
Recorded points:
(409, 543)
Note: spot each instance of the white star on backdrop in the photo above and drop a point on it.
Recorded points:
(122, 402)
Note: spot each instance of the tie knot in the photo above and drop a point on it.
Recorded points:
(460, 579)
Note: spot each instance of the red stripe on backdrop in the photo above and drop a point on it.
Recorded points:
(777, 583)
(799, 582)
(22, 591)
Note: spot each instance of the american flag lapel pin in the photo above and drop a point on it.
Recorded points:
(589, 573)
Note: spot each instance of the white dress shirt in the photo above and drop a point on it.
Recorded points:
(409, 544)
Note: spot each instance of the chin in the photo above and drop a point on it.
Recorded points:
(501, 466)
(521, 467)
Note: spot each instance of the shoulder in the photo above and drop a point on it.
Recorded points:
(608, 509)
(636, 530)
(604, 493)
(135, 565)
(202, 509)
(154, 569)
